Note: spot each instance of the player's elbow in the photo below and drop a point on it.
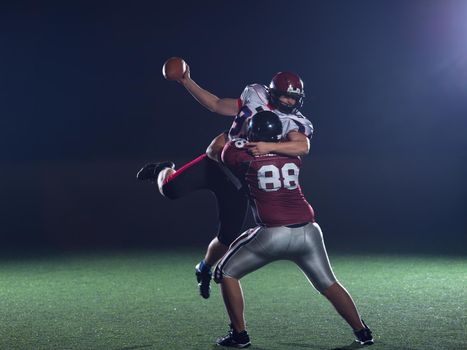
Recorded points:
(214, 149)
(302, 148)
(214, 153)
(226, 106)
(300, 144)
(214, 105)
(294, 149)
(210, 102)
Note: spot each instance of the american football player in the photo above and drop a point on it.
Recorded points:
(286, 231)
(284, 96)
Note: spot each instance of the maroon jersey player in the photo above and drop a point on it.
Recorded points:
(286, 230)
(272, 183)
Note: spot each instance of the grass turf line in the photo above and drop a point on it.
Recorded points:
(149, 300)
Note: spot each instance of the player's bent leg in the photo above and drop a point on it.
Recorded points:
(344, 305)
(313, 260)
(189, 178)
(245, 255)
(162, 179)
(315, 264)
(215, 251)
(232, 294)
(231, 206)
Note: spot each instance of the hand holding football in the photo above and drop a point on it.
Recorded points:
(174, 68)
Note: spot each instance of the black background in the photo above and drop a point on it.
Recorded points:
(83, 105)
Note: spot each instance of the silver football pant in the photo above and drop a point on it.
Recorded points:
(261, 245)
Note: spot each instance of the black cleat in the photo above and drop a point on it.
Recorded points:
(151, 170)
(204, 281)
(234, 339)
(364, 336)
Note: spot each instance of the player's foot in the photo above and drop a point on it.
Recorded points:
(203, 276)
(355, 345)
(151, 170)
(235, 339)
(364, 336)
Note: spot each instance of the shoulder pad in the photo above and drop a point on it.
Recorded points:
(254, 93)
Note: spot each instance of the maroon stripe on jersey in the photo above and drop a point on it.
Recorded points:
(239, 104)
(183, 168)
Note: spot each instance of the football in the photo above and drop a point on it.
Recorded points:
(174, 68)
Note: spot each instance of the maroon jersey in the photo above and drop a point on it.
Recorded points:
(272, 183)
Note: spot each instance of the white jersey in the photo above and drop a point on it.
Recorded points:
(254, 99)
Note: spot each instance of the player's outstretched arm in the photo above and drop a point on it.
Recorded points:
(223, 106)
(297, 144)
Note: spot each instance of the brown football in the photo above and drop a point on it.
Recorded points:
(174, 68)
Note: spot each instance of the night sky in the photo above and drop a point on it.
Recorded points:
(83, 105)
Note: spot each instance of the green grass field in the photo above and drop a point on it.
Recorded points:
(148, 300)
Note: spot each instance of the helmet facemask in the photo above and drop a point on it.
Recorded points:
(283, 107)
(289, 85)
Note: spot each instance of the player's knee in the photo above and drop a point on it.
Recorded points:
(221, 278)
(325, 286)
(167, 186)
(218, 274)
(168, 191)
(328, 288)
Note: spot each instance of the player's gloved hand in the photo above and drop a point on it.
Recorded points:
(259, 148)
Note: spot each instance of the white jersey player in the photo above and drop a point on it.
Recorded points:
(284, 96)
(257, 98)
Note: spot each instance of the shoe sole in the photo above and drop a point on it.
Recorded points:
(238, 346)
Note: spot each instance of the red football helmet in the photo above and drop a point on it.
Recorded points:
(286, 84)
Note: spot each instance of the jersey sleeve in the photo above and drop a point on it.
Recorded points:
(254, 94)
(234, 154)
(297, 123)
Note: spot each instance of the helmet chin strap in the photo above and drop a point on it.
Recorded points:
(281, 106)
(286, 107)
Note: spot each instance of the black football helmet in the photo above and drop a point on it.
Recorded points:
(286, 84)
(264, 126)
